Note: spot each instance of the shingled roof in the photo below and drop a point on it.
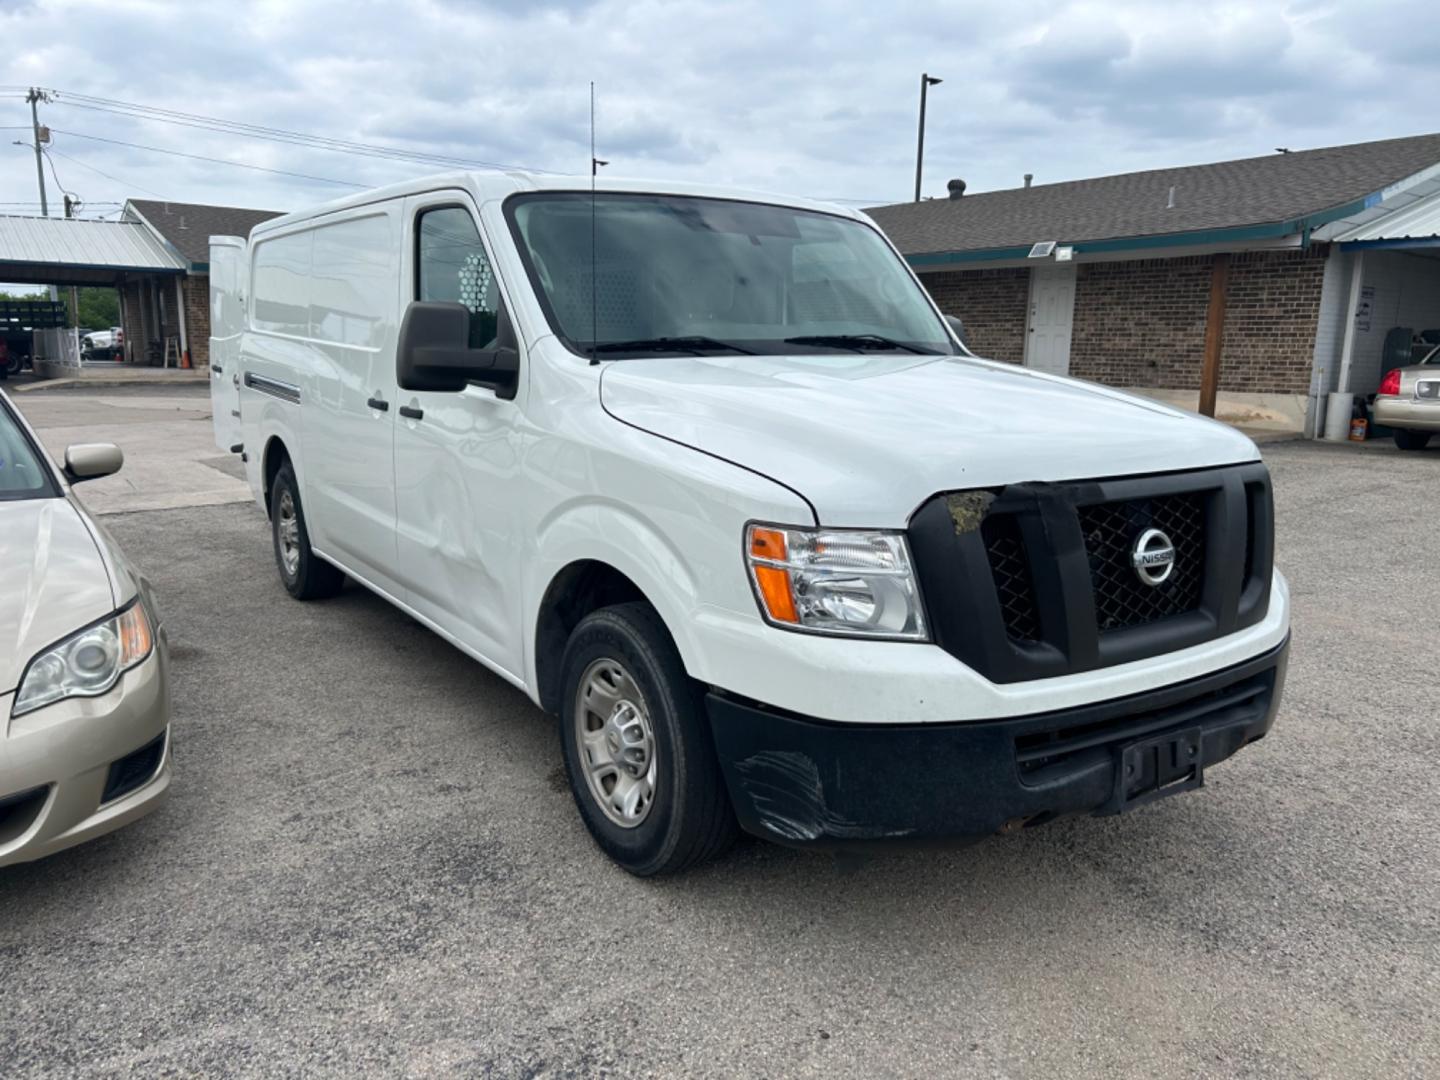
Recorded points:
(187, 227)
(1278, 189)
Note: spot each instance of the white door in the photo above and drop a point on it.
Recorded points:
(1052, 313)
(457, 462)
(227, 322)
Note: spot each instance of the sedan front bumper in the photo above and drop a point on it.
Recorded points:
(81, 767)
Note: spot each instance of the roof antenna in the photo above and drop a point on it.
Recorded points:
(595, 164)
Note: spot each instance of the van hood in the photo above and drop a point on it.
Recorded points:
(53, 581)
(867, 439)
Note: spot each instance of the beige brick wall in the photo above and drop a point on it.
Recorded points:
(1142, 322)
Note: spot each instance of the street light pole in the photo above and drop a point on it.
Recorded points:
(926, 81)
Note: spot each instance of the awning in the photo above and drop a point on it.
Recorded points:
(1413, 224)
(66, 251)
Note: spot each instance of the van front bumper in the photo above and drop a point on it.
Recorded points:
(804, 782)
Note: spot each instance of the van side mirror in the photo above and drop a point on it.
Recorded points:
(957, 327)
(434, 351)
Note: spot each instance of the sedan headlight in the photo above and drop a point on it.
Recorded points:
(88, 662)
(835, 581)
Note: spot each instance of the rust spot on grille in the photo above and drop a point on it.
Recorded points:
(968, 509)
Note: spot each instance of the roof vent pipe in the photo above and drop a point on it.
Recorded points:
(956, 188)
(1170, 202)
(1029, 177)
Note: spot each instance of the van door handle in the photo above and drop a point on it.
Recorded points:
(378, 403)
(411, 413)
(218, 369)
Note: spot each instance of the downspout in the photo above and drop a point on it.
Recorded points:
(180, 318)
(1347, 350)
(1341, 397)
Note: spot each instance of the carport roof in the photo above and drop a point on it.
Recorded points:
(65, 250)
(1247, 199)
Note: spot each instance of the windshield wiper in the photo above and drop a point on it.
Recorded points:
(858, 342)
(694, 343)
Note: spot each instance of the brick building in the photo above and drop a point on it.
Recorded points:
(150, 310)
(1112, 278)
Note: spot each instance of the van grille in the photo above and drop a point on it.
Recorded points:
(1011, 573)
(1121, 598)
(1045, 585)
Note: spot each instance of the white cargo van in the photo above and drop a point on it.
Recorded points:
(707, 475)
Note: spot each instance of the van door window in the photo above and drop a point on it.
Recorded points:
(453, 266)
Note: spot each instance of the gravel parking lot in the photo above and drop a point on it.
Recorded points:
(371, 863)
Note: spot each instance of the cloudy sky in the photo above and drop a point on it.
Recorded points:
(812, 98)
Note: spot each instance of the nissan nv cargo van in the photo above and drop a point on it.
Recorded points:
(710, 478)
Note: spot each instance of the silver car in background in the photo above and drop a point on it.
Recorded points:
(1409, 401)
(84, 695)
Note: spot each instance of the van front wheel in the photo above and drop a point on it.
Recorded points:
(637, 745)
(304, 574)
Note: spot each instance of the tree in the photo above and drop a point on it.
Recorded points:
(99, 308)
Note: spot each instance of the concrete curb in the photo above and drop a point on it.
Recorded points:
(112, 378)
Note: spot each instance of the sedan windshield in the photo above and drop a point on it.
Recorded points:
(681, 276)
(22, 476)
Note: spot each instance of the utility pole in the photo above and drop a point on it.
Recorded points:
(926, 81)
(34, 97)
(70, 205)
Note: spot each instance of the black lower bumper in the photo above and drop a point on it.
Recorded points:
(801, 781)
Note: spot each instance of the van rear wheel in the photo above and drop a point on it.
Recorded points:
(304, 574)
(637, 745)
(1412, 440)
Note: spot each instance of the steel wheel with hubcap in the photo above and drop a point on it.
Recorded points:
(613, 729)
(637, 745)
(287, 531)
(304, 574)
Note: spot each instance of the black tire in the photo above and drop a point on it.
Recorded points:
(1412, 440)
(690, 818)
(312, 578)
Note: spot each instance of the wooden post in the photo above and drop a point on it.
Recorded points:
(1214, 333)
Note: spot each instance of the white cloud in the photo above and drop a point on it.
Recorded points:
(817, 99)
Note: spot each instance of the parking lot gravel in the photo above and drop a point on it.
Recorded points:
(371, 864)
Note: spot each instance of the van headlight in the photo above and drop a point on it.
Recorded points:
(854, 582)
(88, 662)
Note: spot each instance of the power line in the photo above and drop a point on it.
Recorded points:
(213, 161)
(274, 134)
(127, 183)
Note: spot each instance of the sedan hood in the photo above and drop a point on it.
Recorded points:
(867, 439)
(53, 580)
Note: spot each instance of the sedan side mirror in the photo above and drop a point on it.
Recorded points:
(90, 461)
(434, 351)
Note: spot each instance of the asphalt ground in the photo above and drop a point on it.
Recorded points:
(371, 864)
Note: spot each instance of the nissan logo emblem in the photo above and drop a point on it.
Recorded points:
(1153, 557)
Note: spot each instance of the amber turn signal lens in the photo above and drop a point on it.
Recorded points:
(135, 640)
(775, 591)
(767, 544)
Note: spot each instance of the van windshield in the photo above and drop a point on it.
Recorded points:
(682, 276)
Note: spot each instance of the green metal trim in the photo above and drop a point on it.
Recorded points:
(1233, 234)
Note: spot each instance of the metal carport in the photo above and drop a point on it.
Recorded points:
(72, 251)
(1389, 263)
